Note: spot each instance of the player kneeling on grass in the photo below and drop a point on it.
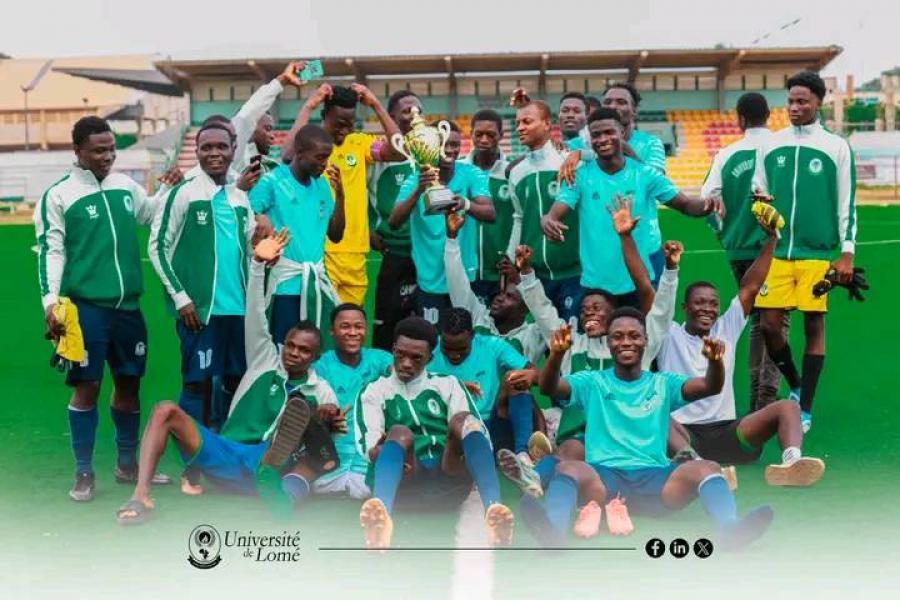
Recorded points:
(708, 427)
(425, 426)
(272, 419)
(627, 414)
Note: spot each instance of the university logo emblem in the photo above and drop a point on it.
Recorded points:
(92, 211)
(553, 189)
(815, 166)
(129, 203)
(202, 216)
(140, 349)
(433, 407)
(764, 290)
(781, 160)
(399, 178)
(350, 160)
(503, 192)
(273, 390)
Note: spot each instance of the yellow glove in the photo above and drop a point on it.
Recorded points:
(71, 343)
(767, 215)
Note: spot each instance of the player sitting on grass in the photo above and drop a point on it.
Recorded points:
(425, 426)
(627, 412)
(588, 352)
(506, 316)
(493, 371)
(709, 426)
(270, 416)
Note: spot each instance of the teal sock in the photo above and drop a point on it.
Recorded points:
(127, 426)
(717, 499)
(83, 429)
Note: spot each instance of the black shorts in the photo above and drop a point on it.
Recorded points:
(719, 441)
(428, 488)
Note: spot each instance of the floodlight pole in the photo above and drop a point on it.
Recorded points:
(27, 139)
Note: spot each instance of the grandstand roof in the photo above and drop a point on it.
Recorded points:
(183, 72)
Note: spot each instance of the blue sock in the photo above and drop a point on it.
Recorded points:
(83, 429)
(192, 403)
(546, 467)
(718, 500)
(560, 501)
(388, 471)
(521, 415)
(127, 426)
(480, 464)
(295, 486)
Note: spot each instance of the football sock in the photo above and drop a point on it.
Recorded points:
(717, 499)
(545, 468)
(295, 486)
(812, 368)
(83, 429)
(521, 416)
(790, 455)
(192, 403)
(785, 363)
(127, 425)
(388, 471)
(480, 464)
(560, 500)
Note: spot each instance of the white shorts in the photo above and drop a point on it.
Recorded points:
(347, 483)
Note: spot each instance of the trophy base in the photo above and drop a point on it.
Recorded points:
(438, 200)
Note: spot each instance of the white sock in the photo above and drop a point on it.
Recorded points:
(790, 455)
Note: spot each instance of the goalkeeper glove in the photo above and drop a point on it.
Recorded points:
(857, 282)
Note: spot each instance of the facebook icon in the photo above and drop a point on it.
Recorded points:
(655, 548)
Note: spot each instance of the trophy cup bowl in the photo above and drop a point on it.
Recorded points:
(423, 146)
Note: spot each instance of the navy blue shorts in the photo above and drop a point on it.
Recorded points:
(642, 488)
(285, 313)
(117, 337)
(430, 306)
(566, 295)
(229, 465)
(217, 350)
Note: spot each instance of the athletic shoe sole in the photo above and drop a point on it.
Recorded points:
(374, 518)
(524, 476)
(291, 427)
(539, 446)
(803, 473)
(499, 521)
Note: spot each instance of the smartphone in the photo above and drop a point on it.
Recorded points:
(312, 70)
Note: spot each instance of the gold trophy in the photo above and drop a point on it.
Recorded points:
(423, 147)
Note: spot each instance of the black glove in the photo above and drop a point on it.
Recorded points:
(857, 282)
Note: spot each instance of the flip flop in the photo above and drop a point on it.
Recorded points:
(141, 513)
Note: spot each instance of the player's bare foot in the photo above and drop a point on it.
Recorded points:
(539, 446)
(374, 518)
(499, 520)
(804, 472)
(190, 488)
(730, 475)
(617, 518)
(587, 524)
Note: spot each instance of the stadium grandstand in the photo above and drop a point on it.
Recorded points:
(688, 95)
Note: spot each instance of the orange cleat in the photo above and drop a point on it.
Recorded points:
(617, 518)
(499, 521)
(587, 525)
(374, 518)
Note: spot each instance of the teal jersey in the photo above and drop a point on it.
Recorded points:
(228, 297)
(384, 181)
(429, 232)
(576, 143)
(627, 421)
(493, 238)
(649, 149)
(305, 210)
(602, 263)
(489, 358)
(347, 381)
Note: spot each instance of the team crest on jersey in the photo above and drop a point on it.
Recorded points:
(202, 217)
(503, 192)
(433, 406)
(273, 390)
(781, 160)
(553, 189)
(764, 290)
(350, 160)
(140, 349)
(92, 211)
(399, 178)
(815, 166)
(129, 203)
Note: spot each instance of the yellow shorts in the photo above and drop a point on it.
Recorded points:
(789, 285)
(347, 271)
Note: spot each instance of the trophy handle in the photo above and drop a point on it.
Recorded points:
(399, 144)
(443, 132)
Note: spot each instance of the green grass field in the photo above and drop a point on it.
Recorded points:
(836, 537)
